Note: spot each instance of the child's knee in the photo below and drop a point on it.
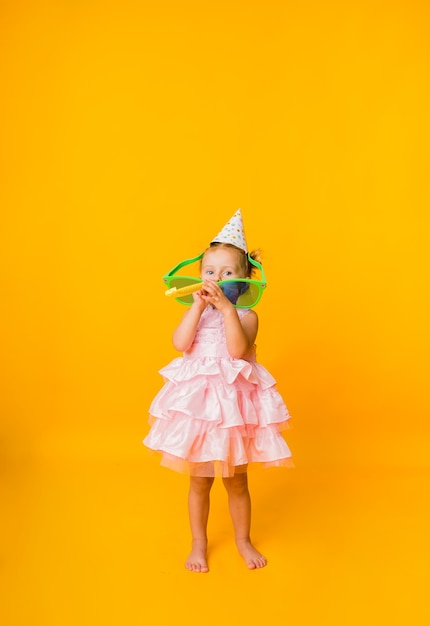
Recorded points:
(237, 484)
(201, 484)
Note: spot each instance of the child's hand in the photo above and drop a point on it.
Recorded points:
(212, 293)
(199, 301)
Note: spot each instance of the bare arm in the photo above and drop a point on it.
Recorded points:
(184, 333)
(240, 335)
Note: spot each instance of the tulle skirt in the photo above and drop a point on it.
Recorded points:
(216, 416)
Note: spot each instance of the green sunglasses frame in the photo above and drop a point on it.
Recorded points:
(262, 284)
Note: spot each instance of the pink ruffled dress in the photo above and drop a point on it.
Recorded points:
(216, 414)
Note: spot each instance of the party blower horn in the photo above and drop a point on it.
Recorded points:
(183, 291)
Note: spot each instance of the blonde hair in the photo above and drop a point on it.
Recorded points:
(247, 268)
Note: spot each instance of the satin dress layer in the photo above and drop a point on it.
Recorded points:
(215, 415)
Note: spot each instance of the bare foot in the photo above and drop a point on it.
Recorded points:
(197, 560)
(253, 558)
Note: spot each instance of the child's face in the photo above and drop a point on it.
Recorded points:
(221, 264)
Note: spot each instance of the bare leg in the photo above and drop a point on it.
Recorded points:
(198, 507)
(239, 502)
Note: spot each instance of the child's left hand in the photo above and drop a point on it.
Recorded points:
(213, 294)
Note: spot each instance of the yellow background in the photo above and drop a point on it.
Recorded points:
(130, 133)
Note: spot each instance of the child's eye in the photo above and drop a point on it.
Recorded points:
(228, 273)
(210, 272)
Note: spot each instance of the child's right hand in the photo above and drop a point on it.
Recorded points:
(199, 303)
(212, 294)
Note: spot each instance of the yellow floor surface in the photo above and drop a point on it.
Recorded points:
(93, 542)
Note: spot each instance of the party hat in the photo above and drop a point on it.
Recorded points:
(233, 232)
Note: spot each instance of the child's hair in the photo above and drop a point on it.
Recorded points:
(247, 268)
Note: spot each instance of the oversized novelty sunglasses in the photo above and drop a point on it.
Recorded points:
(243, 293)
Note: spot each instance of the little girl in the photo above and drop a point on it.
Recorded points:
(219, 409)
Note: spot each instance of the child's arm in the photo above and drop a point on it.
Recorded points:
(184, 333)
(240, 335)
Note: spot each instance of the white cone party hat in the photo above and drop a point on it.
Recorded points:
(233, 232)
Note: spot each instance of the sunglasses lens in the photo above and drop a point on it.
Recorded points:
(242, 294)
(249, 297)
(184, 281)
(233, 290)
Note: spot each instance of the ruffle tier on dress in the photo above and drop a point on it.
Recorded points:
(215, 415)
